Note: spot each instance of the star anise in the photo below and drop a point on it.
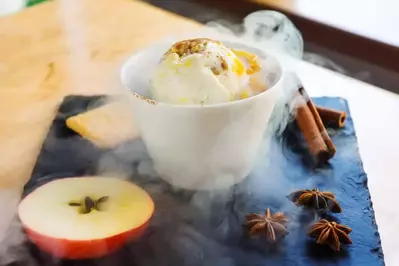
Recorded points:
(316, 199)
(330, 233)
(273, 226)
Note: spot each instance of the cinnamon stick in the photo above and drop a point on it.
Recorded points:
(313, 130)
(331, 117)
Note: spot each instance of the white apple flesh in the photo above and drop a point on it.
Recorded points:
(57, 219)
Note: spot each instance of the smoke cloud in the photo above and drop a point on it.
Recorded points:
(207, 225)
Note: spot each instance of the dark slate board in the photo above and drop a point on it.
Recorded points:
(205, 228)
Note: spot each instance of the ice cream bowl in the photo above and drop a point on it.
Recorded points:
(201, 147)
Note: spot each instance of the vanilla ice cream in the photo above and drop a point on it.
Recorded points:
(204, 71)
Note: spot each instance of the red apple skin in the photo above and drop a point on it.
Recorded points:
(83, 249)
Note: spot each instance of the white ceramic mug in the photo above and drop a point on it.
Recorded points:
(200, 147)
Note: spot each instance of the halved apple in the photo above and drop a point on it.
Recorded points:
(85, 217)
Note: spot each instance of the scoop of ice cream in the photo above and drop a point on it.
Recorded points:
(204, 71)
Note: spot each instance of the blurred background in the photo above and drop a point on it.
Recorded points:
(357, 38)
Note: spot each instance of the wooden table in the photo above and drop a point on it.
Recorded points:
(77, 47)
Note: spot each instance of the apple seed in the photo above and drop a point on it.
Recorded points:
(99, 202)
(102, 199)
(89, 204)
(74, 204)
